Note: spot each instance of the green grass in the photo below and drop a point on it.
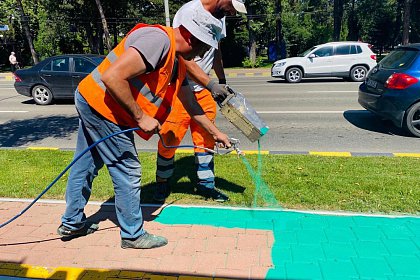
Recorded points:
(362, 184)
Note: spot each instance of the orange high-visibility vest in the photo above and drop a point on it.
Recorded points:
(153, 92)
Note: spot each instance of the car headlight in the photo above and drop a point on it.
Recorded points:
(279, 64)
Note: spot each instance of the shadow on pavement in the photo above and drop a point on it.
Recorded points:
(107, 212)
(69, 101)
(17, 133)
(368, 121)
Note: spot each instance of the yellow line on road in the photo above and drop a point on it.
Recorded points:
(406, 155)
(42, 148)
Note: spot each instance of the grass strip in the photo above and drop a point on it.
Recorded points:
(361, 184)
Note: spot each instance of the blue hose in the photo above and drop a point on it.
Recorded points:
(80, 155)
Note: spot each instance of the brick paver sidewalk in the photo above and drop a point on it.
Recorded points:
(213, 243)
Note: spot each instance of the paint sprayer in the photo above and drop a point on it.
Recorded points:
(242, 115)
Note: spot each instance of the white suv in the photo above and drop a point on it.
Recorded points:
(350, 60)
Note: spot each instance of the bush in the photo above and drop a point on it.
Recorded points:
(247, 63)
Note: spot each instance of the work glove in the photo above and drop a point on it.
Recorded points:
(218, 91)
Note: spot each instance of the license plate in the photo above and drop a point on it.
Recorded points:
(371, 83)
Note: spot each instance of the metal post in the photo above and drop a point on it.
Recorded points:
(168, 20)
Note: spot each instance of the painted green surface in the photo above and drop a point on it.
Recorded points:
(311, 246)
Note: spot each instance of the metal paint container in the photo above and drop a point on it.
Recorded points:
(240, 113)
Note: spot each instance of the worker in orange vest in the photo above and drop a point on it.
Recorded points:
(134, 86)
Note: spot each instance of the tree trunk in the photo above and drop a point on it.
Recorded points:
(25, 24)
(252, 46)
(105, 25)
(406, 22)
(338, 18)
(353, 24)
(279, 33)
(90, 38)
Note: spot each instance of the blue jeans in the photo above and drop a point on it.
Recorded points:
(119, 154)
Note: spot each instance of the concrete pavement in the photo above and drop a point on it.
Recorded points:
(212, 243)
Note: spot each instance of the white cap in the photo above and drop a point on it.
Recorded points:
(239, 5)
(202, 24)
(12, 53)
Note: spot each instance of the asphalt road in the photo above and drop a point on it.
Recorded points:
(316, 115)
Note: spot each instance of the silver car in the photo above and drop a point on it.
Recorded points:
(349, 60)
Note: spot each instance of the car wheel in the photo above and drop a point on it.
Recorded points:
(42, 95)
(294, 75)
(412, 119)
(358, 73)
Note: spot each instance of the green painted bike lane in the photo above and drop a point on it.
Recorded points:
(322, 246)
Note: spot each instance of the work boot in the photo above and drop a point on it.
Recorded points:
(64, 231)
(145, 241)
(162, 191)
(212, 193)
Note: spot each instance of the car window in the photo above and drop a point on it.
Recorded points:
(323, 52)
(359, 49)
(60, 64)
(306, 52)
(47, 67)
(399, 59)
(83, 65)
(342, 50)
(353, 49)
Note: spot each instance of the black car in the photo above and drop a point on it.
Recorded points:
(392, 88)
(55, 77)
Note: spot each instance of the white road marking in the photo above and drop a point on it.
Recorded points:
(302, 112)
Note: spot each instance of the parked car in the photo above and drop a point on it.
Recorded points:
(55, 77)
(350, 60)
(392, 89)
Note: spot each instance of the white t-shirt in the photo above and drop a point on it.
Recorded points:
(12, 59)
(205, 62)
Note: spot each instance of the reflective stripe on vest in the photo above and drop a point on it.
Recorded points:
(153, 92)
(138, 85)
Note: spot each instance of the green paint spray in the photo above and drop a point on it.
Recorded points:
(262, 190)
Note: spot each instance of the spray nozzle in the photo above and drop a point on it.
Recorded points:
(235, 146)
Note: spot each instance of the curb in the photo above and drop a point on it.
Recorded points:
(6, 77)
(12, 271)
(251, 152)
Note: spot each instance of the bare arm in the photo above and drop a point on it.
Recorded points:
(187, 99)
(218, 66)
(116, 79)
(196, 73)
